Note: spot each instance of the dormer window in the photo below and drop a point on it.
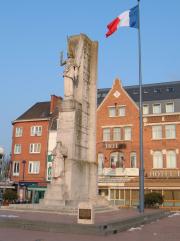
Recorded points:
(157, 90)
(135, 92)
(170, 89)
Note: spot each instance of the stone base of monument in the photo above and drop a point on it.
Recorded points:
(68, 207)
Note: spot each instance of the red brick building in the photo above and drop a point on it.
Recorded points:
(118, 141)
(30, 148)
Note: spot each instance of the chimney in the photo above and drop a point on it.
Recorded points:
(55, 101)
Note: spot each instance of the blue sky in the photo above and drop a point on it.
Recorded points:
(34, 32)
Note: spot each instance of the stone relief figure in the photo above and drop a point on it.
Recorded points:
(59, 154)
(71, 69)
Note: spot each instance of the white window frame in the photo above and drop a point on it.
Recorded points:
(106, 134)
(34, 147)
(171, 160)
(117, 160)
(133, 155)
(168, 104)
(17, 149)
(36, 130)
(145, 109)
(18, 131)
(122, 110)
(112, 111)
(116, 134)
(16, 168)
(155, 110)
(170, 131)
(157, 132)
(34, 167)
(127, 133)
(157, 160)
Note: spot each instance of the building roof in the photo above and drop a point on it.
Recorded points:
(150, 92)
(40, 110)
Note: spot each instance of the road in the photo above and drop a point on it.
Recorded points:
(167, 229)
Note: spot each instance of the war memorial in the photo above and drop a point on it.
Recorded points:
(72, 195)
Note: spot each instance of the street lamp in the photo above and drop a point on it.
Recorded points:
(24, 164)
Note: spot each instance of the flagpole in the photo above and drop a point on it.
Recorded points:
(141, 169)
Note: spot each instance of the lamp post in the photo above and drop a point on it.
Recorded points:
(24, 165)
(10, 169)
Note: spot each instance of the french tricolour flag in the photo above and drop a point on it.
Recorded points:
(129, 18)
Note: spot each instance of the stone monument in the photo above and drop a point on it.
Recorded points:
(74, 176)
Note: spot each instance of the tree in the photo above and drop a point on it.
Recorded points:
(153, 199)
(10, 195)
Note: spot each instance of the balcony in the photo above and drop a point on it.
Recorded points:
(130, 172)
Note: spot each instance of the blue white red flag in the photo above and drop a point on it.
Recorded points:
(129, 18)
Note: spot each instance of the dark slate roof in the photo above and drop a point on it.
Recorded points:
(101, 94)
(151, 92)
(40, 110)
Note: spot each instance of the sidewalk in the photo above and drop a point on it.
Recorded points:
(105, 223)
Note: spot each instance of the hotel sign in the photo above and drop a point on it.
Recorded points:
(165, 173)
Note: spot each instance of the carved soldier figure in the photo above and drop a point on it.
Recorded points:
(70, 76)
(59, 154)
(71, 70)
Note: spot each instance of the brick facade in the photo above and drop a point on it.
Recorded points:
(30, 140)
(161, 141)
(130, 119)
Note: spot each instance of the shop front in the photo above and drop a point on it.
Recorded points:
(31, 192)
(125, 191)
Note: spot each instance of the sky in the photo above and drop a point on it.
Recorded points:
(33, 33)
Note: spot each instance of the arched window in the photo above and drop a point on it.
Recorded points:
(171, 159)
(117, 160)
(100, 163)
(157, 159)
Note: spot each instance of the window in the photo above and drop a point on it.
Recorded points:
(35, 148)
(100, 163)
(145, 91)
(106, 134)
(17, 148)
(145, 109)
(18, 131)
(157, 90)
(169, 107)
(122, 111)
(171, 159)
(112, 111)
(170, 131)
(16, 168)
(133, 160)
(36, 130)
(34, 167)
(170, 89)
(157, 159)
(156, 132)
(117, 134)
(127, 133)
(117, 160)
(156, 108)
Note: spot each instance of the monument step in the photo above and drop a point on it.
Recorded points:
(56, 208)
